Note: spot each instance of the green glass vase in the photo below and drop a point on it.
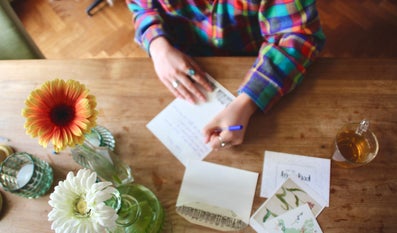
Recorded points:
(138, 209)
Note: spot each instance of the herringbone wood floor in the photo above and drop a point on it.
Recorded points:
(62, 29)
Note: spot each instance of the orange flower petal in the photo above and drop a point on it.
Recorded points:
(45, 111)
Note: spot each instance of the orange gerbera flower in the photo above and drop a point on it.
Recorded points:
(60, 112)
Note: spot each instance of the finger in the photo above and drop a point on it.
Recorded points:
(199, 77)
(214, 142)
(220, 142)
(189, 89)
(208, 132)
(173, 90)
(183, 91)
(178, 89)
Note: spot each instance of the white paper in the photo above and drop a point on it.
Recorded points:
(300, 219)
(277, 167)
(213, 191)
(179, 125)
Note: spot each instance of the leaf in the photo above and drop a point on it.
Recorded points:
(268, 214)
(281, 196)
(296, 200)
(295, 190)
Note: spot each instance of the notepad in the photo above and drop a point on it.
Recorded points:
(216, 196)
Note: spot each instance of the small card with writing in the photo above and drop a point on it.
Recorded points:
(298, 220)
(290, 195)
(277, 167)
(216, 196)
(179, 125)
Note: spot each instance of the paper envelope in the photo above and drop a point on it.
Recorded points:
(216, 196)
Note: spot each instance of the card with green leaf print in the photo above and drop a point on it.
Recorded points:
(298, 220)
(290, 195)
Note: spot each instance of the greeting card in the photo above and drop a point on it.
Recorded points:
(298, 220)
(277, 167)
(292, 194)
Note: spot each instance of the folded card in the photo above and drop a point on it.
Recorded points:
(277, 167)
(216, 196)
(290, 195)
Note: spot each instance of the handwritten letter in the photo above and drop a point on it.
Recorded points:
(179, 125)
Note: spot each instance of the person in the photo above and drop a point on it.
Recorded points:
(285, 35)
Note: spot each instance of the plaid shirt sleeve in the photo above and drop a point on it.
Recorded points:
(147, 21)
(290, 29)
(293, 37)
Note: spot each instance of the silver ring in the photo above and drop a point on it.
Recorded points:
(191, 72)
(222, 143)
(175, 84)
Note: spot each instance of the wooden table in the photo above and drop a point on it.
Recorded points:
(335, 91)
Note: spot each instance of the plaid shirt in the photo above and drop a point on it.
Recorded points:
(285, 35)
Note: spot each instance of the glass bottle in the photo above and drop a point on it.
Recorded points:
(96, 153)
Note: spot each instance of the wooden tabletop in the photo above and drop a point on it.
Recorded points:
(334, 92)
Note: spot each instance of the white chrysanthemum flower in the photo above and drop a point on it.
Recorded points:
(78, 204)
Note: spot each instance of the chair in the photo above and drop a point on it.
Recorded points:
(15, 42)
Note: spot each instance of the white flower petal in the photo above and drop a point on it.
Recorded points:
(63, 200)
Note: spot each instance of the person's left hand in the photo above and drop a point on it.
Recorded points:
(238, 112)
(178, 72)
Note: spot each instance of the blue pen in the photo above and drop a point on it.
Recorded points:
(232, 128)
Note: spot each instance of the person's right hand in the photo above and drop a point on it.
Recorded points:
(178, 72)
(238, 112)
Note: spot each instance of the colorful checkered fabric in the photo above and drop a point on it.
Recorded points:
(285, 35)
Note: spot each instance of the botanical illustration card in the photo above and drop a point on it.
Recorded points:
(298, 220)
(277, 167)
(291, 194)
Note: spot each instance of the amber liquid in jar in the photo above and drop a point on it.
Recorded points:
(353, 147)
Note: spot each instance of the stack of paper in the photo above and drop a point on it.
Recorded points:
(302, 192)
(297, 187)
(279, 211)
(277, 167)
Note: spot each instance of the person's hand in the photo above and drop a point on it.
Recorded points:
(238, 112)
(178, 72)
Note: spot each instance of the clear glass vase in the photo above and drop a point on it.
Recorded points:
(96, 153)
(138, 209)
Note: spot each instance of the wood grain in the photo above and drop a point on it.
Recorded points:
(334, 92)
(62, 29)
